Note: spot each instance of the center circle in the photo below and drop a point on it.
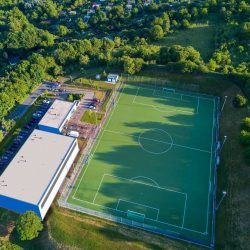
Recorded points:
(155, 141)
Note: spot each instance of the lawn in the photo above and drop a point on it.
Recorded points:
(162, 129)
(92, 117)
(69, 228)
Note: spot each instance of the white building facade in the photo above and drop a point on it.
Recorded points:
(57, 115)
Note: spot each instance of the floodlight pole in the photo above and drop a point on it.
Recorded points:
(225, 138)
(224, 193)
(223, 105)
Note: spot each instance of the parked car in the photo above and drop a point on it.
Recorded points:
(46, 101)
(92, 106)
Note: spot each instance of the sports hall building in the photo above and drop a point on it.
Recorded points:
(34, 176)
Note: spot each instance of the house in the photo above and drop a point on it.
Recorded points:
(112, 78)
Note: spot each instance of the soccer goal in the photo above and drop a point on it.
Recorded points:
(135, 216)
(169, 90)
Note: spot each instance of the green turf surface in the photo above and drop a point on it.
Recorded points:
(153, 162)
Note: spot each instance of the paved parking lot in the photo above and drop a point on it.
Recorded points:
(23, 135)
(75, 124)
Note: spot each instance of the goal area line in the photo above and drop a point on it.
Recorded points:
(161, 109)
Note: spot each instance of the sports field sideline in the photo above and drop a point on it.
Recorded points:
(152, 164)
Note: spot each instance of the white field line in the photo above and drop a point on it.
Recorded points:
(97, 191)
(198, 105)
(159, 108)
(168, 143)
(146, 184)
(169, 97)
(99, 140)
(187, 95)
(144, 177)
(211, 160)
(184, 213)
(136, 95)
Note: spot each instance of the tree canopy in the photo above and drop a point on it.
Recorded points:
(28, 226)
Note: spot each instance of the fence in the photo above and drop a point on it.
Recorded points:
(218, 112)
(131, 223)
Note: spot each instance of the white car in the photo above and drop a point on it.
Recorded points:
(46, 101)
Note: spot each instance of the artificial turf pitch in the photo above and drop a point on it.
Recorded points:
(152, 164)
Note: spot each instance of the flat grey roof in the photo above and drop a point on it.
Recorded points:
(31, 170)
(56, 114)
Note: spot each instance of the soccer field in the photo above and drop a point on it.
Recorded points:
(153, 164)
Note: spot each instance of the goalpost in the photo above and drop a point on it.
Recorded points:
(135, 216)
(169, 90)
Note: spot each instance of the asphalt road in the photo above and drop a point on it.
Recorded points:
(20, 110)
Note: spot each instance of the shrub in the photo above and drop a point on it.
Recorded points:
(239, 101)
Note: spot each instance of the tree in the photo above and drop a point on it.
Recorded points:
(62, 30)
(117, 41)
(28, 226)
(212, 65)
(157, 32)
(166, 22)
(185, 24)
(158, 21)
(81, 24)
(246, 123)
(132, 65)
(84, 60)
(239, 101)
(204, 11)
(6, 245)
(1, 135)
(7, 125)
